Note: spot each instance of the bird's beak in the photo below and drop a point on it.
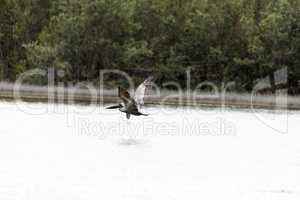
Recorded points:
(114, 107)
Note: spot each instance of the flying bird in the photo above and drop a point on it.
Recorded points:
(132, 105)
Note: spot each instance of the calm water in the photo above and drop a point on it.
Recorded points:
(79, 152)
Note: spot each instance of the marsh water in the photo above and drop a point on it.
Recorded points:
(86, 152)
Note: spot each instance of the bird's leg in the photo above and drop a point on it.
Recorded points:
(128, 129)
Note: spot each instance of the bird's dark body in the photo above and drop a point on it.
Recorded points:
(137, 113)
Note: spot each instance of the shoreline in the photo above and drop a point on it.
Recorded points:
(205, 100)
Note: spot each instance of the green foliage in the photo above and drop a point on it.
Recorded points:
(219, 40)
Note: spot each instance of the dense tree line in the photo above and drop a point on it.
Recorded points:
(218, 40)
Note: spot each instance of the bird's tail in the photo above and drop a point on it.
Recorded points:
(143, 114)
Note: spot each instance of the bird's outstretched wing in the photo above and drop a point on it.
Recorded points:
(124, 95)
(141, 91)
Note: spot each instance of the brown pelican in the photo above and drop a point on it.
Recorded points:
(131, 105)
